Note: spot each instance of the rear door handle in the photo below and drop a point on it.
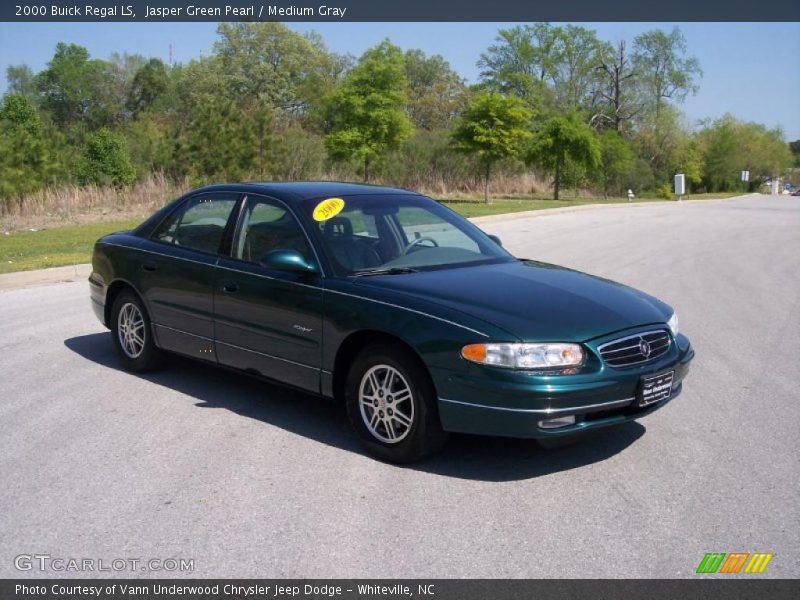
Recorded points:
(230, 287)
(148, 266)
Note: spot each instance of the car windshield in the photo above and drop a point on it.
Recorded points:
(396, 233)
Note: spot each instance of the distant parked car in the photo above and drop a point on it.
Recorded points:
(796, 192)
(391, 303)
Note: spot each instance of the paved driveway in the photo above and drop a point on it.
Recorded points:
(248, 479)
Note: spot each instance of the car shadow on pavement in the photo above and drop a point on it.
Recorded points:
(464, 456)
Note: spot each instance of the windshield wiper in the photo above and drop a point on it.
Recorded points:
(384, 271)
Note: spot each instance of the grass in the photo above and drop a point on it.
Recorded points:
(72, 244)
(474, 206)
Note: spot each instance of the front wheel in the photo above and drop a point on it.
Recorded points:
(132, 334)
(392, 405)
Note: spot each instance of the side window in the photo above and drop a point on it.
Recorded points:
(266, 226)
(199, 224)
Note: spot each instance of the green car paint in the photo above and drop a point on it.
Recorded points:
(303, 328)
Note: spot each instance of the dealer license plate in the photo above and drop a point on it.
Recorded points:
(655, 388)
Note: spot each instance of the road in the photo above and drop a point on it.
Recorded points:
(249, 480)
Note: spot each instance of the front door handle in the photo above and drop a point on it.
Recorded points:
(230, 287)
(148, 266)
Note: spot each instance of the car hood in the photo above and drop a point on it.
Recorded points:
(534, 301)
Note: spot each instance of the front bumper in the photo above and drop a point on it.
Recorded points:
(512, 404)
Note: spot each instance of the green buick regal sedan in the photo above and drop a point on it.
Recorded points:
(386, 301)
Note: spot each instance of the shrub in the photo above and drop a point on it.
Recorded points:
(105, 161)
(296, 154)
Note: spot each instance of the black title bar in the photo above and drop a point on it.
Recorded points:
(400, 10)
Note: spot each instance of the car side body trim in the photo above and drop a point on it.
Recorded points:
(286, 360)
(547, 411)
(181, 331)
(197, 262)
(419, 312)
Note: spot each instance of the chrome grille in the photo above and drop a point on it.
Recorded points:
(635, 349)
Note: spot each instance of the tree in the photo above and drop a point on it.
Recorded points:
(21, 81)
(617, 88)
(794, 148)
(562, 140)
(76, 89)
(522, 60)
(148, 143)
(687, 158)
(657, 140)
(221, 143)
(149, 82)
(576, 59)
(118, 73)
(24, 154)
(269, 61)
(492, 128)
(663, 68)
(616, 159)
(105, 161)
(436, 94)
(296, 154)
(365, 115)
(542, 62)
(730, 146)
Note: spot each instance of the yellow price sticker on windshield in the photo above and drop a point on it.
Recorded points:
(328, 208)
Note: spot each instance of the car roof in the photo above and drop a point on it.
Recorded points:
(296, 191)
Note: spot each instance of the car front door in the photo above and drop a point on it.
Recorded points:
(179, 270)
(267, 321)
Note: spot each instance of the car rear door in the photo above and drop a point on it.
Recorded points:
(268, 322)
(179, 269)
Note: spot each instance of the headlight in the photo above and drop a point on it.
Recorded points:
(673, 323)
(524, 356)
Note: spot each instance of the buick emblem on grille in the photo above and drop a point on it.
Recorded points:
(635, 349)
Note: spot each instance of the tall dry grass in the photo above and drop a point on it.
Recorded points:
(70, 204)
(59, 206)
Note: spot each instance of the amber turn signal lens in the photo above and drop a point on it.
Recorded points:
(474, 352)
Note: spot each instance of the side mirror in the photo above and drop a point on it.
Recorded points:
(495, 239)
(287, 260)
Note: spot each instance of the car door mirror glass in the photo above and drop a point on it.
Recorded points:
(287, 260)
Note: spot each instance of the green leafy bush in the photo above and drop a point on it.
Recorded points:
(105, 161)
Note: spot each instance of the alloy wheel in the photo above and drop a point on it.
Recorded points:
(386, 403)
(131, 330)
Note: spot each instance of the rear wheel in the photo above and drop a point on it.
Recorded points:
(132, 335)
(392, 406)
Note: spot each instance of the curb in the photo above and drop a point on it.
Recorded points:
(24, 279)
(545, 212)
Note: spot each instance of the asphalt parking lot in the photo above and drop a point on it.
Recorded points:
(251, 480)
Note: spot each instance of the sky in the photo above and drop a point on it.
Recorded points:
(751, 70)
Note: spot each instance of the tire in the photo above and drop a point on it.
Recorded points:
(137, 351)
(392, 405)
